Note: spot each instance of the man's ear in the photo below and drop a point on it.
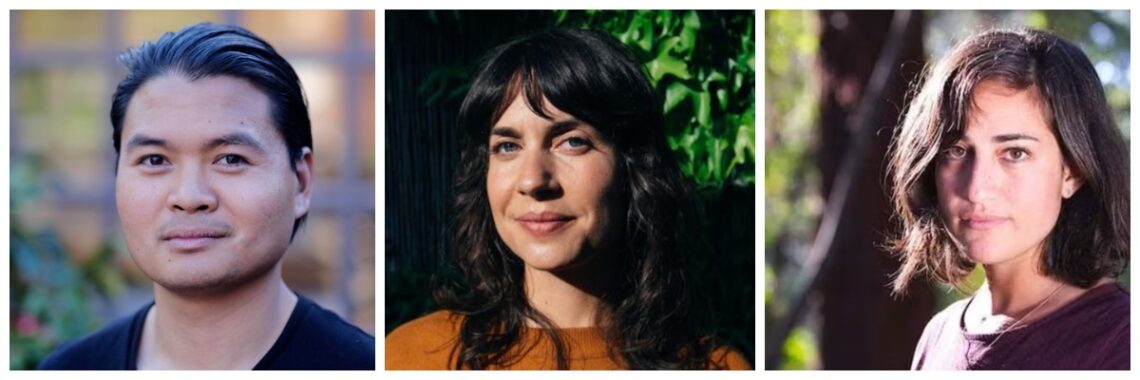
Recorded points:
(1071, 181)
(304, 175)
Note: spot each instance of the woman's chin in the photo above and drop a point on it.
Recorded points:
(547, 260)
(988, 255)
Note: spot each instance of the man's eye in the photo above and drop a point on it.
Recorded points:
(232, 160)
(152, 160)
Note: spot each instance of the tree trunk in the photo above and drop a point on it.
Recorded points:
(864, 326)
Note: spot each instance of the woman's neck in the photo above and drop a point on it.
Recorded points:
(570, 298)
(1017, 292)
(1012, 290)
(560, 301)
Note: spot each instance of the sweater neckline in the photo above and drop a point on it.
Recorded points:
(1092, 294)
(583, 342)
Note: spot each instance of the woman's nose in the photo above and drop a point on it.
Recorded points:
(980, 177)
(537, 176)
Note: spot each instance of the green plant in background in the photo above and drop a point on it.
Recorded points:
(793, 201)
(50, 293)
(791, 182)
(703, 66)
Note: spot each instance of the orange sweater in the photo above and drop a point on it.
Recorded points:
(427, 343)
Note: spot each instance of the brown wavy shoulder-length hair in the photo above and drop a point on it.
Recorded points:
(594, 77)
(1090, 239)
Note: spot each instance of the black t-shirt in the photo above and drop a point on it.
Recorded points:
(313, 339)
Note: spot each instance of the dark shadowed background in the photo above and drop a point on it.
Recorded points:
(702, 65)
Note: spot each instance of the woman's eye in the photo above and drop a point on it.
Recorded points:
(232, 160)
(1016, 154)
(955, 152)
(577, 142)
(505, 147)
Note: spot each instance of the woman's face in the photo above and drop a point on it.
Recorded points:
(550, 184)
(1000, 186)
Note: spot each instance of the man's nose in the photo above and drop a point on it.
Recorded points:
(537, 176)
(192, 192)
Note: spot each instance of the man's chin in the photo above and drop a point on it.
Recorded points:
(196, 287)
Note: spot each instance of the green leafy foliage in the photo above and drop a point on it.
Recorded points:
(51, 301)
(800, 351)
(703, 66)
(793, 201)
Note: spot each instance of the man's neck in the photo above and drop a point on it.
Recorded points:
(230, 330)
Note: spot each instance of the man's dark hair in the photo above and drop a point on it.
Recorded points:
(209, 50)
(1090, 239)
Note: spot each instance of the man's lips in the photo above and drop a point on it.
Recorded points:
(544, 223)
(190, 239)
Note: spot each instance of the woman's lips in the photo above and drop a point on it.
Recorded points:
(983, 222)
(546, 223)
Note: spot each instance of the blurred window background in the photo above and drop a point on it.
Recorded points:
(71, 272)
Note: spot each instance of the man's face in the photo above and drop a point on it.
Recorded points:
(205, 192)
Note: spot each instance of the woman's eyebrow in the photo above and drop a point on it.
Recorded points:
(504, 131)
(557, 128)
(563, 126)
(1013, 137)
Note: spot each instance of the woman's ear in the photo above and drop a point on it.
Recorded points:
(1071, 181)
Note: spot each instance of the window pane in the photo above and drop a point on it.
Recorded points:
(63, 119)
(364, 273)
(368, 28)
(139, 26)
(298, 29)
(311, 262)
(366, 132)
(60, 29)
(324, 88)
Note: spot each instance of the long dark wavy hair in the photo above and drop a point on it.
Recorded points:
(590, 75)
(1091, 238)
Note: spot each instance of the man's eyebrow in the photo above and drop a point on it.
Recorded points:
(1013, 137)
(144, 140)
(237, 138)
